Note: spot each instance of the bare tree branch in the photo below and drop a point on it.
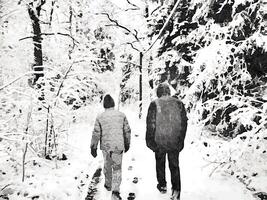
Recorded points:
(133, 47)
(5, 187)
(18, 78)
(65, 77)
(155, 10)
(136, 32)
(51, 12)
(31, 9)
(25, 38)
(26, 145)
(70, 30)
(115, 23)
(131, 9)
(47, 34)
(136, 7)
(42, 2)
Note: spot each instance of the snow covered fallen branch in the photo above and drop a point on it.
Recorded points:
(18, 78)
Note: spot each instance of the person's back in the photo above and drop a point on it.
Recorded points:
(170, 124)
(165, 133)
(114, 133)
(112, 138)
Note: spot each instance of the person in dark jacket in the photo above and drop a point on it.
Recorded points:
(113, 132)
(165, 133)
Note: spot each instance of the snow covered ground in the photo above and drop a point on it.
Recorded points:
(71, 179)
(196, 184)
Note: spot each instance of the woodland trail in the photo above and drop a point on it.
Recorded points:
(139, 177)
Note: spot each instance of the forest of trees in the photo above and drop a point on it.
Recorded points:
(58, 57)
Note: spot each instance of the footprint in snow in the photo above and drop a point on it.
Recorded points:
(131, 196)
(92, 190)
(135, 180)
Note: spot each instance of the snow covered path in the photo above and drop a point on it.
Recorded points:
(139, 165)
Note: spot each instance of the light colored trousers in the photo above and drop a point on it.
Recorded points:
(112, 169)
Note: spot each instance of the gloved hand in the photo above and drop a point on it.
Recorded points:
(127, 146)
(93, 152)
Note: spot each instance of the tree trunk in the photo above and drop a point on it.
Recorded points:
(34, 13)
(140, 85)
(51, 12)
(71, 47)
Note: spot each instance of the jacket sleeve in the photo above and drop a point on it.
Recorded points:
(97, 132)
(184, 125)
(184, 121)
(151, 126)
(126, 133)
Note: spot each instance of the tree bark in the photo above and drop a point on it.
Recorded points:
(140, 85)
(46, 131)
(51, 12)
(34, 13)
(71, 47)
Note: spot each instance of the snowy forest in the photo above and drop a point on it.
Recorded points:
(58, 58)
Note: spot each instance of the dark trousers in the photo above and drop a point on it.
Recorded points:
(173, 159)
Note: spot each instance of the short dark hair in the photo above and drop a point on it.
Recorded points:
(163, 90)
(108, 102)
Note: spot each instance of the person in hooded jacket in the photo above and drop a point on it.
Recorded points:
(166, 126)
(113, 132)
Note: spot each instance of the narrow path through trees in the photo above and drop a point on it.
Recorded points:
(139, 177)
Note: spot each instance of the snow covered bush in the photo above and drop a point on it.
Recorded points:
(222, 65)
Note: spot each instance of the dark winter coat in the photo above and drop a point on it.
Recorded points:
(166, 124)
(112, 130)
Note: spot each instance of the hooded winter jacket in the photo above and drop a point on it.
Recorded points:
(166, 124)
(112, 130)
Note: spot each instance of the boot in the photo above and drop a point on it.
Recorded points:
(116, 195)
(162, 189)
(108, 188)
(175, 195)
